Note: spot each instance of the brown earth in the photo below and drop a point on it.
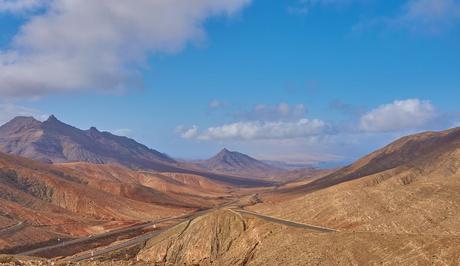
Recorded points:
(169, 189)
(414, 187)
(47, 202)
(227, 238)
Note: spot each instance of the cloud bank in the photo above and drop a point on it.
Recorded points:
(399, 115)
(282, 122)
(256, 130)
(86, 44)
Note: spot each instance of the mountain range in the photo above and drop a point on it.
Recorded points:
(57, 142)
(53, 141)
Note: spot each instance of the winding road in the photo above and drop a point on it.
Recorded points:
(142, 238)
(147, 236)
(99, 236)
(126, 244)
(131, 242)
(309, 227)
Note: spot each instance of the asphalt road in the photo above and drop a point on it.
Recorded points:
(136, 240)
(126, 244)
(150, 235)
(99, 236)
(145, 237)
(308, 227)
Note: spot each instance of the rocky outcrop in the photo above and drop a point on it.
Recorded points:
(221, 238)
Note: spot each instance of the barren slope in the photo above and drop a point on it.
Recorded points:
(45, 201)
(414, 187)
(226, 238)
(173, 189)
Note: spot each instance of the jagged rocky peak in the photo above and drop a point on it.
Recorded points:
(52, 119)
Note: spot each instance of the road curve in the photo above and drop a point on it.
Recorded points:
(95, 237)
(313, 228)
(145, 237)
(131, 242)
(126, 244)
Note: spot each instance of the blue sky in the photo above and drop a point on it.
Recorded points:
(298, 80)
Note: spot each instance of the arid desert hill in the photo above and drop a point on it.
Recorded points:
(428, 151)
(236, 163)
(226, 237)
(166, 188)
(42, 202)
(409, 186)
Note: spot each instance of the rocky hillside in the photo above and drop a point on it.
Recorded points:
(427, 152)
(41, 202)
(57, 142)
(227, 238)
(416, 178)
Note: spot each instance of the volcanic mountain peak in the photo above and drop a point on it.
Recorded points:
(52, 118)
(234, 159)
(224, 152)
(227, 161)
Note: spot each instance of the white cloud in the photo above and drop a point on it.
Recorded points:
(255, 130)
(87, 44)
(8, 111)
(399, 115)
(264, 112)
(187, 133)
